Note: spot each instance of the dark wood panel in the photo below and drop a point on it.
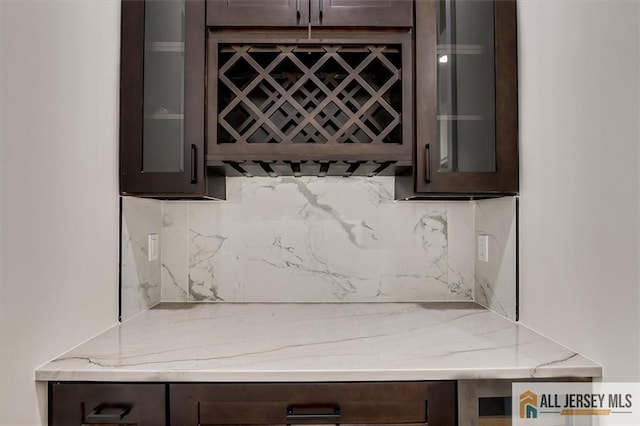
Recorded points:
(364, 13)
(131, 92)
(80, 404)
(261, 13)
(314, 403)
(321, 410)
(426, 86)
(307, 168)
(442, 403)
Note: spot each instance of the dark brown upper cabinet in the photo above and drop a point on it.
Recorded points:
(466, 101)
(325, 13)
(425, 90)
(162, 100)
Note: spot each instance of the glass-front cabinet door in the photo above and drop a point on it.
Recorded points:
(162, 97)
(466, 103)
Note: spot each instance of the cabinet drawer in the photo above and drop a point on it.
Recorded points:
(313, 403)
(330, 411)
(106, 403)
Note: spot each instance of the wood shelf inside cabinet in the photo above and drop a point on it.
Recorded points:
(459, 49)
(164, 117)
(467, 117)
(165, 46)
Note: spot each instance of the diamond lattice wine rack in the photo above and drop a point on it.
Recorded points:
(287, 104)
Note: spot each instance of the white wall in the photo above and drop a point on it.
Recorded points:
(580, 192)
(59, 188)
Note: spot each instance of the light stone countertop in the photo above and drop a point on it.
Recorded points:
(258, 342)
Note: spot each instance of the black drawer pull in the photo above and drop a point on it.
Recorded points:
(427, 163)
(194, 163)
(107, 412)
(313, 412)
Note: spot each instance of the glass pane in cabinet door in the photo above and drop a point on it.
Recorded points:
(163, 147)
(466, 86)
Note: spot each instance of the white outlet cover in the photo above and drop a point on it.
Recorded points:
(483, 248)
(153, 246)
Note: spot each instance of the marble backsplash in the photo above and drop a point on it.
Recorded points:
(316, 240)
(140, 287)
(495, 280)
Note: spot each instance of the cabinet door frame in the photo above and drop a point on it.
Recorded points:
(133, 179)
(504, 180)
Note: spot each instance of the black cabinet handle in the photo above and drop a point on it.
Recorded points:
(298, 9)
(427, 163)
(194, 163)
(106, 412)
(313, 412)
(321, 10)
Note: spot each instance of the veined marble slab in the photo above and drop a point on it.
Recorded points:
(315, 239)
(317, 342)
(141, 279)
(495, 280)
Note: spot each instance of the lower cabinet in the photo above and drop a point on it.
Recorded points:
(419, 403)
(80, 404)
(193, 404)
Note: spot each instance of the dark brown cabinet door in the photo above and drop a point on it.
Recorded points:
(379, 403)
(466, 98)
(257, 13)
(162, 98)
(362, 13)
(82, 404)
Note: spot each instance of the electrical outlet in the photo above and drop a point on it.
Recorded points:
(483, 248)
(152, 246)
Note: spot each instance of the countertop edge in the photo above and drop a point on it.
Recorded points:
(318, 376)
